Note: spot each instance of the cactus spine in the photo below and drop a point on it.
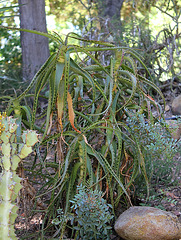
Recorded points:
(11, 153)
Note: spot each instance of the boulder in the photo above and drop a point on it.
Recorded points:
(175, 128)
(148, 223)
(176, 105)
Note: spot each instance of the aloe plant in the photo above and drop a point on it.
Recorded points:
(11, 153)
(88, 103)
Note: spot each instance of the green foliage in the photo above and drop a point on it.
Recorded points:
(6, 9)
(92, 214)
(83, 122)
(158, 148)
(74, 12)
(159, 198)
(62, 218)
(11, 153)
(10, 52)
(87, 89)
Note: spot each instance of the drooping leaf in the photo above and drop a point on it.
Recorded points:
(71, 112)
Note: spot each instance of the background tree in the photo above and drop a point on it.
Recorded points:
(35, 48)
(134, 24)
(111, 9)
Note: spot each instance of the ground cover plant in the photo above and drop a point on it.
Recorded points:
(84, 123)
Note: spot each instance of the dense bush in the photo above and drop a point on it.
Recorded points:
(158, 148)
(91, 215)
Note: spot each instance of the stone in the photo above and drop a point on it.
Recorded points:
(175, 128)
(148, 223)
(176, 105)
(167, 108)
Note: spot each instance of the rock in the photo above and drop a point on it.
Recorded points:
(148, 223)
(176, 105)
(175, 128)
(167, 108)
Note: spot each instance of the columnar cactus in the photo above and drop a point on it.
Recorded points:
(11, 153)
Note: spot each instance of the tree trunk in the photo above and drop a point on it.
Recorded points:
(111, 9)
(35, 48)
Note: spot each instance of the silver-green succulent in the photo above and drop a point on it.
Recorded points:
(11, 153)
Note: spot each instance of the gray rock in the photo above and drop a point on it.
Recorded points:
(175, 129)
(176, 105)
(148, 223)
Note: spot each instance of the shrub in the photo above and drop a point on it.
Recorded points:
(157, 146)
(92, 214)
